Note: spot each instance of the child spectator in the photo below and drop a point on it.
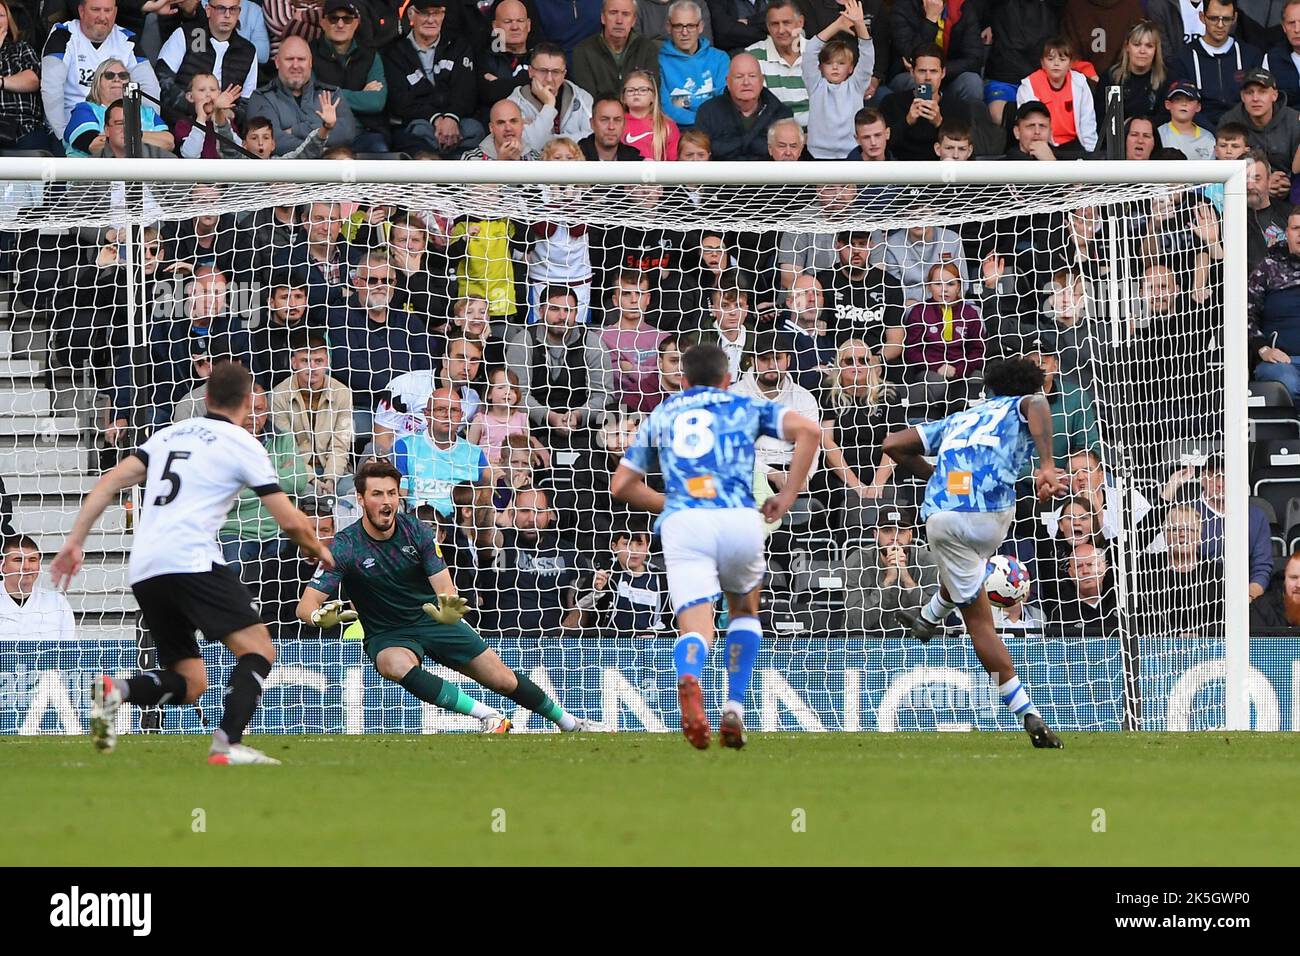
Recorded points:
(835, 85)
(944, 345)
(501, 416)
(211, 105)
(1067, 96)
(560, 254)
(1181, 132)
(646, 128)
(954, 143)
(485, 265)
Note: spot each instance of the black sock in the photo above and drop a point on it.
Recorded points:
(528, 694)
(156, 687)
(242, 694)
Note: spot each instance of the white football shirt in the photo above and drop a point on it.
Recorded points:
(195, 470)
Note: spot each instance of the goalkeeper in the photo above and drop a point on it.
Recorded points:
(395, 575)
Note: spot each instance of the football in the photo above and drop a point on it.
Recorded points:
(1006, 582)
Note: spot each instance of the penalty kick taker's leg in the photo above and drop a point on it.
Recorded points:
(744, 636)
(181, 682)
(489, 670)
(401, 666)
(690, 654)
(254, 654)
(995, 657)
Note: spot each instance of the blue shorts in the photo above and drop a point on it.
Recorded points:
(996, 91)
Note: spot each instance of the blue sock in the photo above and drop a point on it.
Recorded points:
(689, 653)
(1016, 698)
(743, 639)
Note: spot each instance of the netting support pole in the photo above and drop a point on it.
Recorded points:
(1236, 454)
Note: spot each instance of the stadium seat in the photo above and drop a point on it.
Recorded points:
(1266, 506)
(1191, 451)
(1278, 491)
(1268, 395)
(384, 156)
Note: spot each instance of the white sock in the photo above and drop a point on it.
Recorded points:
(481, 710)
(734, 707)
(220, 742)
(567, 721)
(1016, 698)
(937, 611)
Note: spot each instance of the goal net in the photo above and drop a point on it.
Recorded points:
(500, 341)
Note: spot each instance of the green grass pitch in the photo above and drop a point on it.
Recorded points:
(938, 798)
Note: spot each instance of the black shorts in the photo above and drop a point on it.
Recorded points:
(176, 605)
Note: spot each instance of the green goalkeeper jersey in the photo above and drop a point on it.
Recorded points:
(388, 581)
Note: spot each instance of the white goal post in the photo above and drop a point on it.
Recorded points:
(760, 198)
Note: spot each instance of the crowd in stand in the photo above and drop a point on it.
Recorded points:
(504, 365)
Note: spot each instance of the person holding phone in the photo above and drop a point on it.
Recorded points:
(915, 115)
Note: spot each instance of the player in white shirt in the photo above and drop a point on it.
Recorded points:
(192, 471)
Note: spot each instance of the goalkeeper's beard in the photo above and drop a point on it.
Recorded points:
(381, 518)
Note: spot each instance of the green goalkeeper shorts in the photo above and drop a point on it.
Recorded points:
(452, 645)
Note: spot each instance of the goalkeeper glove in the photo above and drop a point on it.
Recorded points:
(449, 609)
(331, 613)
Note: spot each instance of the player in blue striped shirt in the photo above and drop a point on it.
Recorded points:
(970, 500)
(703, 442)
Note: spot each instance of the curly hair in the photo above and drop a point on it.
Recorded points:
(1013, 376)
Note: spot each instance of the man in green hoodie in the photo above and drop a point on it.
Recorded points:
(601, 61)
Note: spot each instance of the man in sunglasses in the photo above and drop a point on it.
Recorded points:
(338, 59)
(207, 45)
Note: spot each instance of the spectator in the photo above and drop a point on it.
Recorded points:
(769, 378)
(1087, 595)
(315, 410)
(914, 121)
(836, 82)
(1020, 28)
(560, 366)
(6, 511)
(206, 331)
(864, 300)
(550, 104)
(1139, 138)
(433, 463)
(803, 323)
(356, 71)
(1076, 522)
(86, 127)
(628, 600)
(1141, 73)
(889, 573)
(536, 570)
(20, 82)
(1087, 481)
(290, 101)
(319, 253)
(858, 411)
(421, 269)
(194, 404)
(646, 128)
(1266, 217)
(207, 45)
(505, 139)
(909, 254)
(1177, 28)
(210, 238)
(486, 253)
(259, 139)
(214, 108)
(501, 416)
(568, 22)
(503, 64)
(603, 62)
(1280, 607)
(631, 343)
(786, 141)
(1280, 60)
(283, 320)
(1098, 29)
(871, 130)
(1273, 313)
(737, 121)
(74, 49)
(1216, 62)
(608, 126)
(691, 70)
(780, 57)
(670, 368)
(1074, 424)
(944, 345)
(1181, 132)
(1032, 132)
(401, 409)
(654, 19)
(954, 143)
(1272, 129)
(371, 340)
(291, 18)
(251, 541)
(432, 89)
(1068, 98)
(560, 254)
(916, 25)
(28, 611)
(729, 319)
(586, 505)
(1179, 592)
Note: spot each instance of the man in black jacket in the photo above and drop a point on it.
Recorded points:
(194, 47)
(432, 84)
(916, 24)
(738, 120)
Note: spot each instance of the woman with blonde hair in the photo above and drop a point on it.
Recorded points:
(1141, 73)
(858, 411)
(648, 130)
(85, 132)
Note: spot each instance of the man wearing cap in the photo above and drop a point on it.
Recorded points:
(1033, 133)
(208, 45)
(1216, 62)
(340, 61)
(1273, 128)
(432, 87)
(888, 573)
(1182, 103)
(769, 377)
